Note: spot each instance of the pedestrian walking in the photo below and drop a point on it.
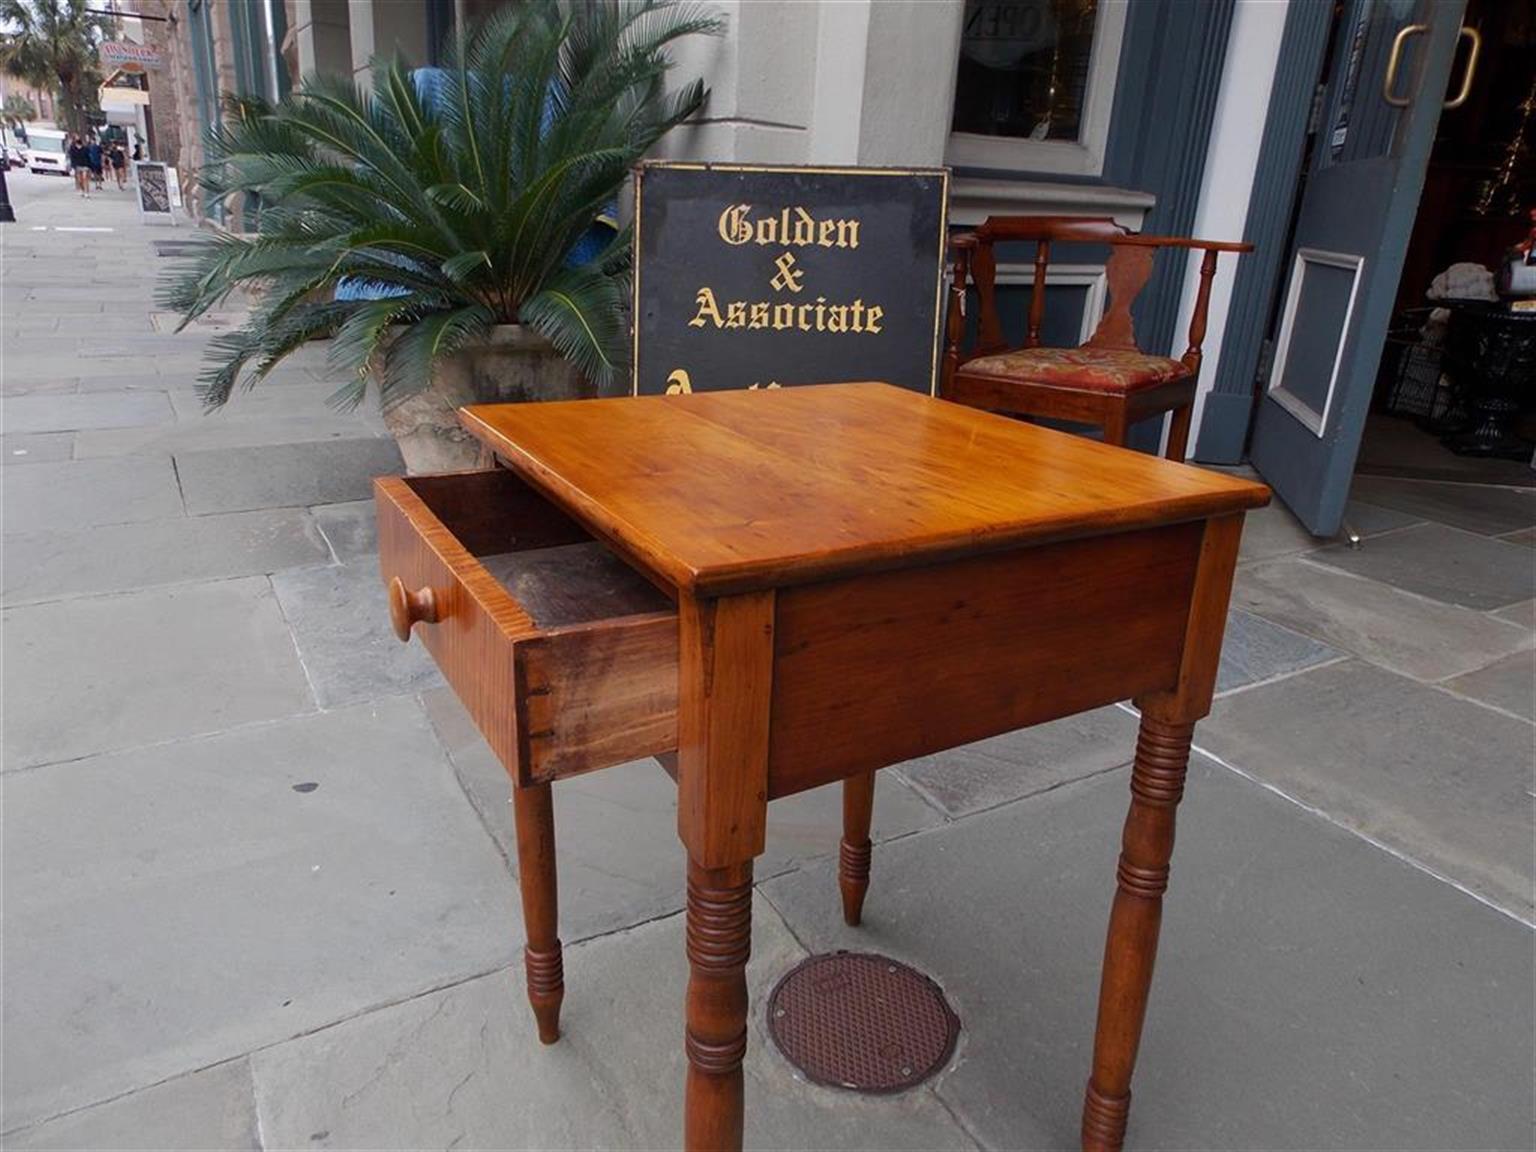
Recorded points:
(80, 165)
(93, 157)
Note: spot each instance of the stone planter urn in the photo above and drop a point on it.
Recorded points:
(516, 365)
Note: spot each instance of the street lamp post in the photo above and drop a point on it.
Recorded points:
(7, 213)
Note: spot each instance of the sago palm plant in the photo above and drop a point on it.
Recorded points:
(450, 207)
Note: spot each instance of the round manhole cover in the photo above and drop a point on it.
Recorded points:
(860, 1021)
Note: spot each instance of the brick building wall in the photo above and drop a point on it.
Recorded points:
(165, 102)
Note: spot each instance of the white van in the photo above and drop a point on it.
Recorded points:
(48, 151)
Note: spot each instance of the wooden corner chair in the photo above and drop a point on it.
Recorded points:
(1109, 381)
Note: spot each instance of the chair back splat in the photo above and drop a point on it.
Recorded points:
(1128, 270)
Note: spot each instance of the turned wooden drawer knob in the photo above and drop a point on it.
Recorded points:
(407, 608)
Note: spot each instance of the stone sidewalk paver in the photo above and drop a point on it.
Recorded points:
(91, 675)
(620, 860)
(201, 1111)
(173, 906)
(1418, 637)
(80, 493)
(1442, 563)
(259, 886)
(52, 564)
(439, 1067)
(1298, 980)
(1444, 780)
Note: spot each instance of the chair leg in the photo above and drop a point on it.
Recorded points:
(535, 813)
(854, 852)
(1178, 432)
(1116, 426)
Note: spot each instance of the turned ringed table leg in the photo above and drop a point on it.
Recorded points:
(854, 851)
(725, 678)
(1157, 784)
(535, 813)
(719, 943)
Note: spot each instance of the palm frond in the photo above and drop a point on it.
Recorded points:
(581, 312)
(409, 358)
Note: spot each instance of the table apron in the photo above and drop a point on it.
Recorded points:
(874, 670)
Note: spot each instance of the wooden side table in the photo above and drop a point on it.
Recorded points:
(793, 587)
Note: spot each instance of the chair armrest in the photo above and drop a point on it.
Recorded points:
(1189, 242)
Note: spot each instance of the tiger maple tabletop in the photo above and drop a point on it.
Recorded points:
(773, 590)
(727, 491)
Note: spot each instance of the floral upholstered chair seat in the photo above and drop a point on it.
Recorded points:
(1099, 369)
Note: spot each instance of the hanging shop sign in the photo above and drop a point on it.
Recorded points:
(760, 277)
(130, 57)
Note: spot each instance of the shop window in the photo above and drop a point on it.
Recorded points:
(1035, 84)
(257, 32)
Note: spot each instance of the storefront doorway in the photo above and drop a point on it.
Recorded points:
(1388, 69)
(1481, 183)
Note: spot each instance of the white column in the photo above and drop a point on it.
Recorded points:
(826, 82)
(304, 37)
(1231, 163)
(910, 63)
(842, 48)
(360, 30)
(885, 81)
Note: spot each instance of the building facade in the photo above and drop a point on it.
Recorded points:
(42, 101)
(1184, 117)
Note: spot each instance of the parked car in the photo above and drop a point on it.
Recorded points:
(15, 156)
(47, 151)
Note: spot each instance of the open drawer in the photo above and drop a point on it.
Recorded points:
(563, 654)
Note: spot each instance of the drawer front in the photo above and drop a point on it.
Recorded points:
(551, 702)
(595, 695)
(478, 623)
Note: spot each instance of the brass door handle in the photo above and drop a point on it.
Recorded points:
(1389, 81)
(1475, 38)
(408, 608)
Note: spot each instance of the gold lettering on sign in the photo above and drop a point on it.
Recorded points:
(786, 228)
(787, 276)
(817, 315)
(790, 228)
(679, 384)
(708, 310)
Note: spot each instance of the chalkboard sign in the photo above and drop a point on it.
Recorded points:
(154, 189)
(764, 277)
